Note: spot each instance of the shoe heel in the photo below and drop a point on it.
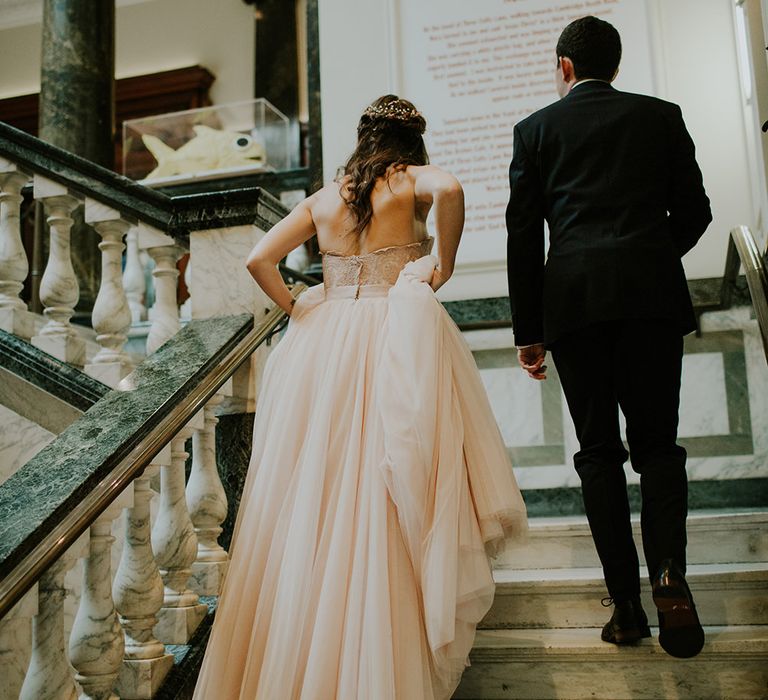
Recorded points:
(669, 599)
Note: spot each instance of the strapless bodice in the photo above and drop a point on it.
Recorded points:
(379, 267)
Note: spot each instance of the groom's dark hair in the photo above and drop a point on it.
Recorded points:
(593, 45)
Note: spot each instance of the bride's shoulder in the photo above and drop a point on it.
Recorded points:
(332, 188)
(328, 194)
(428, 179)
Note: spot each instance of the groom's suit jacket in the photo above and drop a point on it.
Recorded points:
(615, 176)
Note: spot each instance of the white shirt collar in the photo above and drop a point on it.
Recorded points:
(588, 80)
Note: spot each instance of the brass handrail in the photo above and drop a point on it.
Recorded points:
(745, 245)
(56, 542)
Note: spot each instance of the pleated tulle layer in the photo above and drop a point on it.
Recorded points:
(378, 485)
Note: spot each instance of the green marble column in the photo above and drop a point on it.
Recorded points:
(78, 77)
(77, 104)
(313, 86)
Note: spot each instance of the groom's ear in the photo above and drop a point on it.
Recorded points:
(569, 72)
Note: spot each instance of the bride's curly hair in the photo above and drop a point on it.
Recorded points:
(389, 133)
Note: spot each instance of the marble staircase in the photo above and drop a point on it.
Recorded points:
(541, 638)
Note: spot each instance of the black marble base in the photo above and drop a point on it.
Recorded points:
(702, 495)
(495, 311)
(179, 684)
(234, 435)
(474, 310)
(706, 292)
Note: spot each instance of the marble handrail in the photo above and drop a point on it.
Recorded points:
(41, 388)
(50, 501)
(49, 374)
(174, 215)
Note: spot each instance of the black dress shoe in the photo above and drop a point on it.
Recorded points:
(628, 624)
(680, 632)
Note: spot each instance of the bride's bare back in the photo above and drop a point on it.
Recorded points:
(400, 202)
(399, 213)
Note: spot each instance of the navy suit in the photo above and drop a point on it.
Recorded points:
(615, 177)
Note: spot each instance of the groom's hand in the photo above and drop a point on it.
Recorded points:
(531, 359)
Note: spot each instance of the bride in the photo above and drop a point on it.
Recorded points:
(379, 483)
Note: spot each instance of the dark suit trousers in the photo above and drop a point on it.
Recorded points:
(634, 365)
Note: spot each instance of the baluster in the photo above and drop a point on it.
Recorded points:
(49, 675)
(96, 643)
(133, 277)
(207, 504)
(111, 313)
(138, 594)
(165, 314)
(14, 266)
(16, 643)
(59, 290)
(175, 546)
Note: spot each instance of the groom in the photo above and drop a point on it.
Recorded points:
(615, 177)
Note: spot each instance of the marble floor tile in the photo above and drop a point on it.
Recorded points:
(509, 390)
(703, 397)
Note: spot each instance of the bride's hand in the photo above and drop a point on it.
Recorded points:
(438, 279)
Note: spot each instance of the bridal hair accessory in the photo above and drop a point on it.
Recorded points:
(394, 111)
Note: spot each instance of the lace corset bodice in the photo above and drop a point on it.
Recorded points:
(379, 267)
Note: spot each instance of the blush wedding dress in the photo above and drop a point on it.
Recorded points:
(378, 487)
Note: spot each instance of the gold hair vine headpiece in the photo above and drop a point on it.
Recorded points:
(392, 110)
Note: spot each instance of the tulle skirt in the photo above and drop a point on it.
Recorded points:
(378, 487)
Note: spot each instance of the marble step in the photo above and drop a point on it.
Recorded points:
(713, 537)
(574, 664)
(725, 594)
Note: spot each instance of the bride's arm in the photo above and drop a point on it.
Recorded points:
(281, 239)
(444, 192)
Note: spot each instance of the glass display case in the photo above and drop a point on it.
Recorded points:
(206, 143)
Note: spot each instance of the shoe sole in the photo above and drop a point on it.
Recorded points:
(680, 632)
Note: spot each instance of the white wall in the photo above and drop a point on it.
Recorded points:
(751, 39)
(695, 48)
(20, 49)
(695, 45)
(167, 34)
(154, 36)
(354, 70)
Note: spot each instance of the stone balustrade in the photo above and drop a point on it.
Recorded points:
(137, 226)
(136, 574)
(14, 267)
(115, 646)
(120, 301)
